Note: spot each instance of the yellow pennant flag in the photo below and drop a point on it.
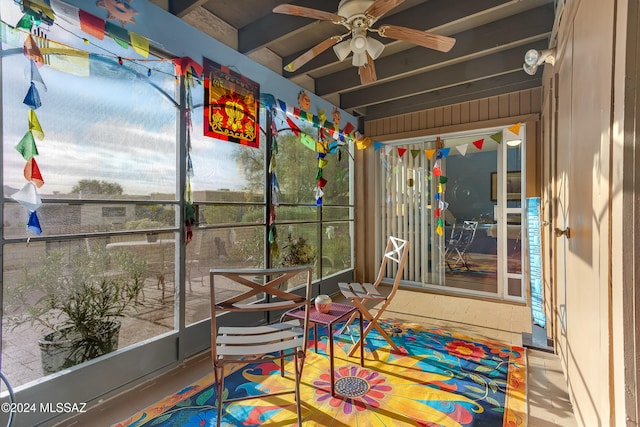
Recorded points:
(140, 44)
(429, 153)
(34, 125)
(439, 230)
(515, 129)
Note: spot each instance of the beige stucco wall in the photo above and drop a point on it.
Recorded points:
(586, 187)
(583, 163)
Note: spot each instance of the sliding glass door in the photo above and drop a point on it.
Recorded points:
(459, 199)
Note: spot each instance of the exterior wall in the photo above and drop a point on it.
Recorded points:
(504, 110)
(589, 121)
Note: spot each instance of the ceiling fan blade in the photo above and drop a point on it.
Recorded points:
(421, 38)
(380, 7)
(368, 72)
(290, 9)
(312, 53)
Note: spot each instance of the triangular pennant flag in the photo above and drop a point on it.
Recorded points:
(478, 143)
(443, 179)
(437, 171)
(440, 222)
(140, 44)
(319, 192)
(27, 146)
(295, 129)
(32, 52)
(28, 197)
(515, 129)
(272, 164)
(322, 182)
(497, 137)
(443, 205)
(35, 75)
(33, 225)
(414, 153)
(183, 64)
(34, 125)
(32, 99)
(32, 173)
(429, 153)
(25, 23)
(322, 163)
(462, 149)
(118, 34)
(319, 174)
(445, 152)
(376, 145)
(401, 152)
(439, 188)
(91, 24)
(387, 149)
(439, 230)
(436, 213)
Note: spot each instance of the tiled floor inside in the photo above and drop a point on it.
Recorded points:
(547, 398)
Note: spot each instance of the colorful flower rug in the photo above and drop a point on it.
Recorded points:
(439, 378)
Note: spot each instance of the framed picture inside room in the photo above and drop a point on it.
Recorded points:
(514, 185)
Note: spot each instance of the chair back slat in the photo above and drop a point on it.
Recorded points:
(248, 285)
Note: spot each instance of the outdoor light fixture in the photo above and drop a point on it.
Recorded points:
(514, 142)
(534, 58)
(360, 45)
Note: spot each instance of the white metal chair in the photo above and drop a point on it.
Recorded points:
(395, 257)
(259, 292)
(462, 236)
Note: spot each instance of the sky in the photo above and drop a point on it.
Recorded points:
(111, 126)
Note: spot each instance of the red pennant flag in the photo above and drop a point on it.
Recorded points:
(294, 128)
(32, 173)
(478, 143)
(437, 171)
(348, 129)
(91, 24)
(181, 66)
(322, 182)
(401, 151)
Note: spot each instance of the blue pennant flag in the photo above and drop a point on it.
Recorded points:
(34, 225)
(32, 100)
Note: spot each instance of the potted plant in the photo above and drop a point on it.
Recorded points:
(297, 251)
(79, 297)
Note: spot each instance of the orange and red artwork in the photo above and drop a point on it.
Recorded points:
(231, 110)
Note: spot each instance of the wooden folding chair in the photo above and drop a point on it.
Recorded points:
(250, 344)
(396, 254)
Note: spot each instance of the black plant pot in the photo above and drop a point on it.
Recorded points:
(65, 348)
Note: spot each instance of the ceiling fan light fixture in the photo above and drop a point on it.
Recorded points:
(359, 59)
(374, 47)
(342, 49)
(358, 44)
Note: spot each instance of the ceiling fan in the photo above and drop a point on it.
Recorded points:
(358, 16)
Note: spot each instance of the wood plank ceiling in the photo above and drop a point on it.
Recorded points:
(491, 39)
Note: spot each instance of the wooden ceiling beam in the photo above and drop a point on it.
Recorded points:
(527, 27)
(493, 86)
(461, 73)
(181, 7)
(275, 25)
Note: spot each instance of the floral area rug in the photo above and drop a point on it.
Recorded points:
(438, 378)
